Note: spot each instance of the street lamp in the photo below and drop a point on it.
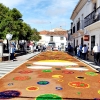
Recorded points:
(9, 37)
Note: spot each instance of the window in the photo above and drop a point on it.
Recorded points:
(82, 40)
(76, 42)
(78, 24)
(73, 29)
(92, 41)
(61, 38)
(51, 38)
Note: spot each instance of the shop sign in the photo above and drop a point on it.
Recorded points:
(86, 37)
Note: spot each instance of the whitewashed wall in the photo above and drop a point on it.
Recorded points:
(45, 39)
(86, 10)
(95, 32)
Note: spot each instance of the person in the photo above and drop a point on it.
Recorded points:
(84, 51)
(31, 47)
(12, 51)
(75, 49)
(44, 47)
(96, 51)
(66, 48)
(78, 51)
(69, 48)
(59, 48)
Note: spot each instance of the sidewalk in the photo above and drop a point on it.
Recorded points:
(27, 56)
(9, 65)
(22, 57)
(97, 67)
(91, 63)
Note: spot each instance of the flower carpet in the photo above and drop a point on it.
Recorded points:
(51, 75)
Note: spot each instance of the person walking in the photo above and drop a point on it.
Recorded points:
(96, 51)
(84, 51)
(78, 51)
(12, 51)
(75, 50)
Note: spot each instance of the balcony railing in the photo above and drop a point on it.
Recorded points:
(81, 24)
(92, 17)
(74, 29)
(78, 25)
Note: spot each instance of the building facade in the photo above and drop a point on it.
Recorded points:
(56, 37)
(85, 26)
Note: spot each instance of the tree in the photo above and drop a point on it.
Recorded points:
(3, 14)
(11, 22)
(35, 35)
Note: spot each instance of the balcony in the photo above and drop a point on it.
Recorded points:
(78, 27)
(74, 29)
(92, 17)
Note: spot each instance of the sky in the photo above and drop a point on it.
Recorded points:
(44, 14)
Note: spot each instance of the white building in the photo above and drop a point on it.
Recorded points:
(56, 37)
(85, 28)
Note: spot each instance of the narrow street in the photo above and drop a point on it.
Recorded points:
(51, 75)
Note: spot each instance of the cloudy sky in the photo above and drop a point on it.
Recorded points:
(44, 14)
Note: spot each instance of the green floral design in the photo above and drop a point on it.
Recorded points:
(79, 93)
(28, 64)
(48, 97)
(58, 68)
(48, 71)
(68, 66)
(91, 73)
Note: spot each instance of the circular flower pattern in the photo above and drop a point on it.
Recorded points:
(99, 91)
(57, 76)
(91, 73)
(32, 88)
(9, 94)
(80, 77)
(43, 82)
(48, 71)
(48, 97)
(10, 84)
(59, 88)
(68, 66)
(58, 68)
(25, 71)
(67, 72)
(21, 78)
(78, 85)
(28, 64)
(60, 80)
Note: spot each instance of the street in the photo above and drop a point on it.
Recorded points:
(50, 75)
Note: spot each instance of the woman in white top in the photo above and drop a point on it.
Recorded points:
(96, 51)
(84, 51)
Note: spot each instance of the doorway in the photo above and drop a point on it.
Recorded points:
(82, 41)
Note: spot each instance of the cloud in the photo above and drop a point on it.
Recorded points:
(60, 7)
(42, 12)
(36, 21)
(12, 3)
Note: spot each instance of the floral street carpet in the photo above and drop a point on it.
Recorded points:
(51, 75)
